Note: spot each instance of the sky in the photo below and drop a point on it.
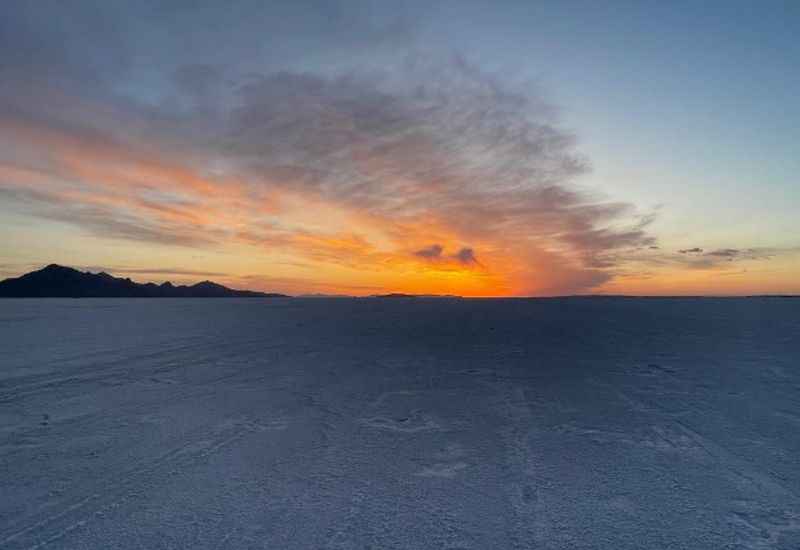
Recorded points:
(492, 148)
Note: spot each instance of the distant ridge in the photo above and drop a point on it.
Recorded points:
(402, 295)
(56, 281)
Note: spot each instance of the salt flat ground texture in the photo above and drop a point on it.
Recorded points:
(400, 423)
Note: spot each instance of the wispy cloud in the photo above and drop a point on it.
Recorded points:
(445, 151)
(335, 136)
(698, 258)
(156, 271)
(727, 261)
(350, 167)
(432, 252)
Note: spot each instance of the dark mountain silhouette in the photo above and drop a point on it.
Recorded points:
(55, 281)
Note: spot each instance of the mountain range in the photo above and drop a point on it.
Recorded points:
(56, 281)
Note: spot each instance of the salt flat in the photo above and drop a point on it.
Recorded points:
(400, 423)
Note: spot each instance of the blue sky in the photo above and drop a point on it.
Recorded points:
(692, 105)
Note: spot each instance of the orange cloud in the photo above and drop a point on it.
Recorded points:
(450, 185)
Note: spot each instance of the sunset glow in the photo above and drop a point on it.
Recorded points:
(394, 163)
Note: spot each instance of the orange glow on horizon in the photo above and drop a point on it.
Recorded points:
(277, 235)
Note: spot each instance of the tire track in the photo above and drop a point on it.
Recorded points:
(91, 373)
(59, 520)
(108, 370)
(526, 529)
(735, 466)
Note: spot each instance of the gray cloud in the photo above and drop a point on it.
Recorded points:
(714, 258)
(424, 138)
(466, 256)
(724, 253)
(742, 253)
(106, 222)
(698, 258)
(432, 252)
(436, 253)
(449, 141)
(428, 140)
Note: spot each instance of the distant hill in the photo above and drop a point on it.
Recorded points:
(402, 295)
(55, 281)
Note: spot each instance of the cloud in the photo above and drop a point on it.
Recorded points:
(435, 253)
(724, 253)
(173, 271)
(697, 258)
(432, 252)
(714, 258)
(351, 167)
(446, 145)
(731, 254)
(466, 256)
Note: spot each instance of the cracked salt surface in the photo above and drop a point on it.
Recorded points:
(460, 424)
